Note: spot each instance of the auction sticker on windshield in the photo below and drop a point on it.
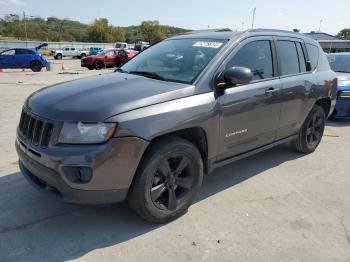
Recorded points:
(208, 44)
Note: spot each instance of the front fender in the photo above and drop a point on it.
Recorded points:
(164, 118)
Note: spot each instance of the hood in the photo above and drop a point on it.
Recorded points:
(94, 99)
(343, 81)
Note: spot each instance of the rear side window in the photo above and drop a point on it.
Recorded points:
(312, 51)
(24, 52)
(257, 57)
(288, 57)
(301, 56)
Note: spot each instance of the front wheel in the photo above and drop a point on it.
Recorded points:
(167, 181)
(98, 65)
(310, 134)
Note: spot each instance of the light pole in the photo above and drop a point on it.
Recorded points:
(25, 26)
(254, 10)
(319, 28)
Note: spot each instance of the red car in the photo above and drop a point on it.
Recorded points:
(108, 58)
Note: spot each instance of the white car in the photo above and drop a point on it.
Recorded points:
(70, 52)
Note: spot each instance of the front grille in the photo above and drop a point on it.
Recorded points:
(344, 95)
(35, 130)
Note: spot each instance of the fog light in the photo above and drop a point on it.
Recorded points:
(78, 174)
(85, 174)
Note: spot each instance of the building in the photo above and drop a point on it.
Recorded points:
(330, 43)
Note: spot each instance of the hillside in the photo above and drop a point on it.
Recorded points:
(55, 29)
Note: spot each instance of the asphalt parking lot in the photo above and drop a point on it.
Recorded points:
(278, 205)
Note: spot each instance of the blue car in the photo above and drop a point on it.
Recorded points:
(340, 63)
(95, 50)
(23, 58)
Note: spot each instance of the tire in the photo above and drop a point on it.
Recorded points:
(167, 180)
(90, 67)
(58, 56)
(98, 65)
(36, 66)
(311, 132)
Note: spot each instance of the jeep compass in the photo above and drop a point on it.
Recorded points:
(187, 105)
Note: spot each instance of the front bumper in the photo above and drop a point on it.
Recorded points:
(113, 167)
(342, 108)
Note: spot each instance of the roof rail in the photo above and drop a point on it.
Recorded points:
(206, 31)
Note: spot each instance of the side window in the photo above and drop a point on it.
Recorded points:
(24, 52)
(66, 49)
(301, 56)
(312, 51)
(288, 57)
(8, 52)
(257, 57)
(72, 49)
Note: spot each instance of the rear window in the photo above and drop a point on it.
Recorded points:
(339, 63)
(288, 57)
(313, 53)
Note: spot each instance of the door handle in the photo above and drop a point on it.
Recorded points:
(270, 91)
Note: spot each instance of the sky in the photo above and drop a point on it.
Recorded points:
(196, 14)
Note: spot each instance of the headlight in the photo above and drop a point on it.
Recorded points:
(86, 133)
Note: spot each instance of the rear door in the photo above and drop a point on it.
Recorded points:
(110, 58)
(296, 84)
(250, 113)
(23, 57)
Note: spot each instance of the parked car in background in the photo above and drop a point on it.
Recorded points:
(183, 107)
(121, 45)
(70, 52)
(141, 45)
(108, 58)
(340, 63)
(95, 50)
(23, 58)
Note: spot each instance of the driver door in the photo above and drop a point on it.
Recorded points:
(7, 59)
(250, 113)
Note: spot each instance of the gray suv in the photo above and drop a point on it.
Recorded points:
(183, 107)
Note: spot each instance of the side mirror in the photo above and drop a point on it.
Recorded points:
(236, 76)
(308, 66)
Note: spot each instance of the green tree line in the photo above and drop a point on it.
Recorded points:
(54, 29)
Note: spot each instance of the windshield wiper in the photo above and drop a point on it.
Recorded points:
(147, 74)
(342, 71)
(121, 70)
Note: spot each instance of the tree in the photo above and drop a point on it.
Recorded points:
(344, 34)
(99, 31)
(151, 31)
(117, 34)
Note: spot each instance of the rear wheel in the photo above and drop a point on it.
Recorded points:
(167, 180)
(310, 134)
(98, 65)
(36, 66)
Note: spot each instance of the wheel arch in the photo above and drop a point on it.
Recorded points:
(325, 103)
(195, 135)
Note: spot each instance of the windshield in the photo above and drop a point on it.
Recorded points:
(175, 60)
(340, 63)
